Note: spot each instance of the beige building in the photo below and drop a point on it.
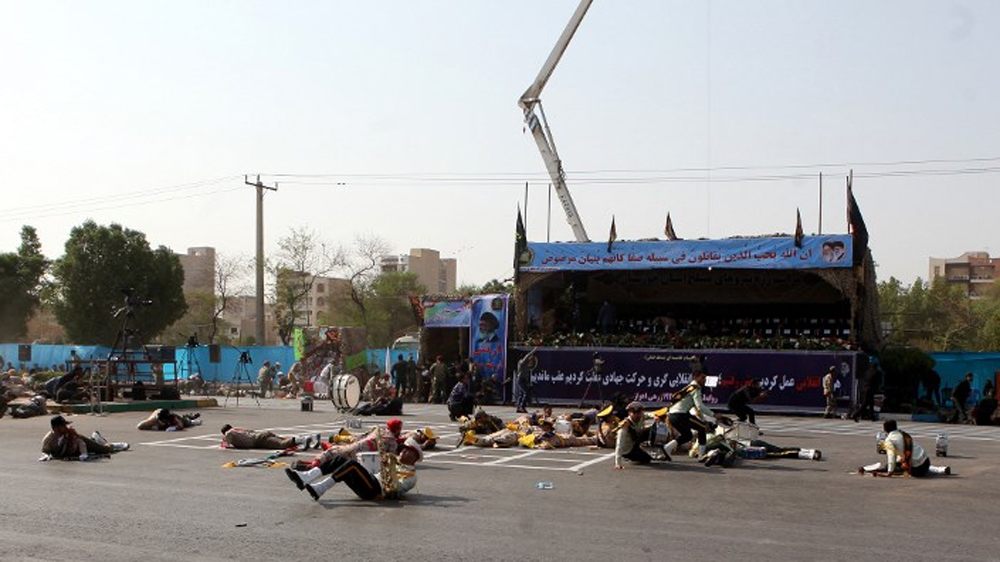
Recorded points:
(973, 271)
(438, 275)
(241, 315)
(199, 269)
(318, 308)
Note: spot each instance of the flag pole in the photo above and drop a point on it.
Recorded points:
(820, 204)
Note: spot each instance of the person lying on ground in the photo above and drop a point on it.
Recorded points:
(162, 419)
(63, 442)
(37, 406)
(481, 423)
(242, 438)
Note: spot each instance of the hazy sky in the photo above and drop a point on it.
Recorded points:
(400, 119)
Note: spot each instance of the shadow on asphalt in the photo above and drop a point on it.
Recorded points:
(415, 500)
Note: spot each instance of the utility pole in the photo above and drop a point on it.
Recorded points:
(259, 331)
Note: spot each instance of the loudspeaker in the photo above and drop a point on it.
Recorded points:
(214, 353)
(24, 352)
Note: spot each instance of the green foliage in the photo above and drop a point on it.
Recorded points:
(904, 368)
(388, 314)
(497, 287)
(939, 316)
(21, 285)
(99, 262)
(201, 307)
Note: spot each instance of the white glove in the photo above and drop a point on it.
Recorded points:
(84, 457)
(172, 428)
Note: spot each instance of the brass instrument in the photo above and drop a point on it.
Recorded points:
(388, 470)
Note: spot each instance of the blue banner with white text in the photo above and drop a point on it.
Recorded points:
(736, 253)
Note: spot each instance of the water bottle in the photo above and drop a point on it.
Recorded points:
(941, 445)
(880, 442)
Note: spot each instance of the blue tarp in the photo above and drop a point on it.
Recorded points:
(952, 366)
(43, 356)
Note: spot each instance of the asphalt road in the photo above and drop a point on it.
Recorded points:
(169, 498)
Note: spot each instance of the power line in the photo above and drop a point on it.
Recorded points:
(485, 180)
(608, 177)
(107, 202)
(428, 176)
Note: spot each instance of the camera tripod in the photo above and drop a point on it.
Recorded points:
(186, 369)
(240, 374)
(119, 351)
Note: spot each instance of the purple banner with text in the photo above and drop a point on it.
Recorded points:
(790, 378)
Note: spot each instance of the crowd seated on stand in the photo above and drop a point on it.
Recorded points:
(805, 333)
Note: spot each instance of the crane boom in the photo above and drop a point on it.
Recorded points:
(539, 127)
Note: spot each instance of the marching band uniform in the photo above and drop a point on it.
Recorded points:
(688, 400)
(367, 444)
(363, 483)
(607, 429)
(503, 438)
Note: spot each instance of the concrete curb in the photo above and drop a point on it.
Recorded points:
(144, 406)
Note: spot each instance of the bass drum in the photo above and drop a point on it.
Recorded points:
(345, 392)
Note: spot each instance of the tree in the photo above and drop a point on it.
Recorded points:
(390, 314)
(21, 285)
(495, 286)
(200, 306)
(950, 317)
(203, 318)
(100, 264)
(987, 311)
(491, 287)
(362, 268)
(939, 316)
(302, 257)
(230, 280)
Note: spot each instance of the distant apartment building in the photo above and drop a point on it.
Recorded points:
(241, 317)
(973, 271)
(438, 275)
(199, 269)
(326, 295)
(318, 308)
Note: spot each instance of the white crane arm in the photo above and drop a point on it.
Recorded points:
(539, 127)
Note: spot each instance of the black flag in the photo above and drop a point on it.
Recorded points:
(668, 230)
(856, 224)
(613, 235)
(520, 243)
(798, 229)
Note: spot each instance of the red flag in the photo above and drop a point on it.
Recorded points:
(613, 235)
